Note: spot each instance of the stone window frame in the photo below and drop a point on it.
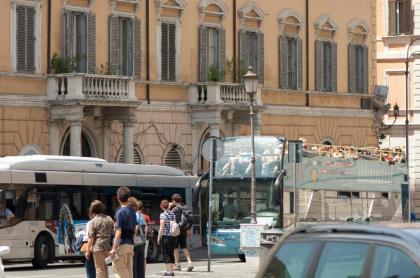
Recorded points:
(248, 7)
(351, 27)
(319, 26)
(37, 4)
(160, 5)
(203, 12)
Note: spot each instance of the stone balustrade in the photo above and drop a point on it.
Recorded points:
(90, 87)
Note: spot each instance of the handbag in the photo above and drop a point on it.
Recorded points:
(84, 247)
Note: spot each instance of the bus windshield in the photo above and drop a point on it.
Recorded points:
(236, 160)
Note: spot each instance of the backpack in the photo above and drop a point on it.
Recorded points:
(139, 236)
(174, 227)
(186, 219)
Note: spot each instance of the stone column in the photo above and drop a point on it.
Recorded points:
(128, 141)
(106, 140)
(54, 138)
(196, 136)
(76, 138)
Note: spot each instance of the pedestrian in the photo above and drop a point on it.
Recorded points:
(99, 242)
(139, 240)
(184, 219)
(148, 231)
(89, 262)
(165, 239)
(123, 248)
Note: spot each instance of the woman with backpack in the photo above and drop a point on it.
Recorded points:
(168, 232)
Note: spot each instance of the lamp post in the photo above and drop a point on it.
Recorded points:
(251, 84)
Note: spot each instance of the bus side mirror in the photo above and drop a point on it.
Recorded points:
(197, 189)
(278, 188)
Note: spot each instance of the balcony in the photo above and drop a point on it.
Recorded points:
(90, 87)
(225, 94)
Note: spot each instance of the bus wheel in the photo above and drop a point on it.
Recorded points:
(43, 252)
(242, 257)
(153, 253)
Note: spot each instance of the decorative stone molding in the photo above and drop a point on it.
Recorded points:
(251, 11)
(287, 13)
(113, 4)
(325, 23)
(357, 27)
(163, 4)
(203, 9)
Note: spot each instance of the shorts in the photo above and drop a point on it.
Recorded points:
(181, 240)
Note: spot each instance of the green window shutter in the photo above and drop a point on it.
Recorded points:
(334, 66)
(242, 63)
(20, 38)
(299, 63)
(283, 62)
(392, 20)
(352, 68)
(137, 47)
(113, 45)
(202, 53)
(91, 42)
(319, 65)
(261, 57)
(172, 52)
(222, 53)
(365, 69)
(164, 51)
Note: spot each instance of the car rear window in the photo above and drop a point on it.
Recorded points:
(342, 259)
(292, 260)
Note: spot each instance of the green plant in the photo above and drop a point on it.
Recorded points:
(64, 65)
(213, 74)
(104, 70)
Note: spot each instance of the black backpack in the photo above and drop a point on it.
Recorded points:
(186, 219)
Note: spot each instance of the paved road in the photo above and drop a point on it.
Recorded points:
(76, 269)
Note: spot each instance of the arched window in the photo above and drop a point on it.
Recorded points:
(173, 157)
(87, 148)
(137, 156)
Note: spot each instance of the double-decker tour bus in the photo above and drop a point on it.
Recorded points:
(44, 200)
(231, 194)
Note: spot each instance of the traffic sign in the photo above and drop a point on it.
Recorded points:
(206, 148)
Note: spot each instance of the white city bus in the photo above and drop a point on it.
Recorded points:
(49, 197)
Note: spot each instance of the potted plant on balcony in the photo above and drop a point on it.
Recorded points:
(64, 65)
(214, 74)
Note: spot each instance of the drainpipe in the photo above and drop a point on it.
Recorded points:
(235, 60)
(49, 38)
(148, 51)
(307, 51)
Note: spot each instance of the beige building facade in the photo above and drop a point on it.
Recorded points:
(148, 81)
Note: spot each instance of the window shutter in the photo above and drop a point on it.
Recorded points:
(261, 57)
(319, 65)
(20, 38)
(365, 69)
(82, 66)
(202, 53)
(130, 49)
(113, 45)
(164, 51)
(283, 62)
(172, 51)
(222, 53)
(91, 42)
(352, 68)
(137, 47)
(334, 66)
(408, 18)
(30, 39)
(242, 54)
(68, 34)
(299, 63)
(392, 23)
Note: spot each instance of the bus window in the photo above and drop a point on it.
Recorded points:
(45, 205)
(7, 208)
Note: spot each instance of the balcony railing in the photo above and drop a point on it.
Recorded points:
(90, 87)
(221, 93)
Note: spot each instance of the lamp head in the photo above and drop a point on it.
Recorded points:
(251, 82)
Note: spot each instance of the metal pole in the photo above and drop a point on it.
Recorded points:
(209, 216)
(253, 178)
(295, 191)
(406, 115)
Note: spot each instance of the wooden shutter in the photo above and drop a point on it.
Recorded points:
(20, 38)
(408, 18)
(283, 62)
(172, 52)
(352, 68)
(91, 42)
(299, 63)
(68, 34)
(365, 69)
(261, 57)
(242, 54)
(202, 53)
(333, 66)
(30, 39)
(222, 53)
(319, 65)
(392, 20)
(164, 51)
(113, 45)
(136, 47)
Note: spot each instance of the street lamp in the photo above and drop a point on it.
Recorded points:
(251, 84)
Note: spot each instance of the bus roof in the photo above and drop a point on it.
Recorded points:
(81, 164)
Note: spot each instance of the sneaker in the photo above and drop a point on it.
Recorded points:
(190, 267)
(177, 267)
(167, 274)
(172, 274)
